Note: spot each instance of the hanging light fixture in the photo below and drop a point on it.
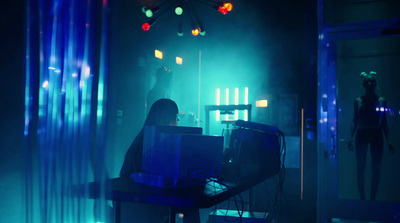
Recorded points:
(180, 8)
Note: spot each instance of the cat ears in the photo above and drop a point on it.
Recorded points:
(371, 73)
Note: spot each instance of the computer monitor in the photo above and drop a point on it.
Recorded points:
(181, 153)
(254, 149)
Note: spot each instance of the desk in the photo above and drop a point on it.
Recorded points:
(196, 197)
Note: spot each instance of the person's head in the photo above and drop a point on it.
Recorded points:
(369, 80)
(163, 112)
(164, 76)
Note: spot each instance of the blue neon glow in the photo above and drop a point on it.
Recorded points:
(58, 64)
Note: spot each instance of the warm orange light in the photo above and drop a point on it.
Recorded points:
(228, 6)
(179, 60)
(158, 54)
(262, 103)
(195, 32)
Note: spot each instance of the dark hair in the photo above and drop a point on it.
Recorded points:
(162, 112)
(369, 79)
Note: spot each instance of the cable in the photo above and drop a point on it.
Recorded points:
(275, 206)
(240, 213)
(266, 191)
(279, 198)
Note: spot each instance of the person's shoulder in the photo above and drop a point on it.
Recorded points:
(382, 100)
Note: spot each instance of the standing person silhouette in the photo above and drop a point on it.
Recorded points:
(369, 126)
(161, 88)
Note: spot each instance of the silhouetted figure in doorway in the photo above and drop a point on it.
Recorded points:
(369, 127)
(161, 88)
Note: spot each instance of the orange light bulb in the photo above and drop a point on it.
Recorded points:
(195, 32)
(228, 6)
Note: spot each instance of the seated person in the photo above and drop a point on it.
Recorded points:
(162, 112)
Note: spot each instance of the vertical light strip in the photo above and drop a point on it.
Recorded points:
(218, 102)
(227, 101)
(101, 103)
(27, 73)
(198, 105)
(301, 149)
(101, 90)
(246, 101)
(42, 93)
(236, 103)
(42, 99)
(101, 97)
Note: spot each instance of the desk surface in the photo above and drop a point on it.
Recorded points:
(196, 196)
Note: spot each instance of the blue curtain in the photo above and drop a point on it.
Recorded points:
(65, 96)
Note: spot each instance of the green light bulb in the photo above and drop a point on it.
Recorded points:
(149, 13)
(178, 10)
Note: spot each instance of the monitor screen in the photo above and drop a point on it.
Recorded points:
(181, 152)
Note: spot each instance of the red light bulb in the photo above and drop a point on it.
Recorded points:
(146, 26)
(223, 10)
